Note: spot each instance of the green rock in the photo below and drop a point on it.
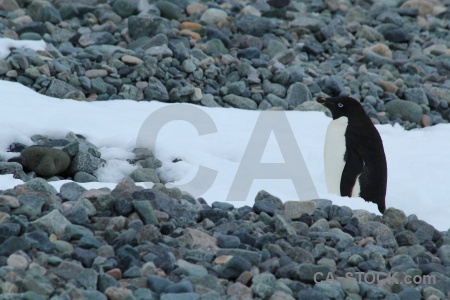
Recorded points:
(274, 47)
(33, 36)
(169, 10)
(125, 8)
(409, 111)
(84, 177)
(38, 284)
(354, 260)
(46, 161)
(43, 11)
(98, 85)
(145, 175)
(145, 211)
(240, 102)
(395, 219)
(76, 232)
(331, 289)
(41, 185)
(215, 47)
(104, 202)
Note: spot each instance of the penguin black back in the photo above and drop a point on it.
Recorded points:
(365, 160)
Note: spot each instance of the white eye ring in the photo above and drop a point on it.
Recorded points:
(340, 105)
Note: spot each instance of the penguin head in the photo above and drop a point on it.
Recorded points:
(343, 107)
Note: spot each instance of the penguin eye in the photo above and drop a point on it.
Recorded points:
(340, 105)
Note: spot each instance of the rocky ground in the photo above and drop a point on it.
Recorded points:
(160, 243)
(392, 55)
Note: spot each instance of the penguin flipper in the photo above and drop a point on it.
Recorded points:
(353, 168)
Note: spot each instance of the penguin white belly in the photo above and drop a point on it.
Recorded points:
(334, 152)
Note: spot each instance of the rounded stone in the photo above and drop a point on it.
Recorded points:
(407, 110)
(46, 161)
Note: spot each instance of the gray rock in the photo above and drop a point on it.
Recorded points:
(369, 33)
(85, 162)
(84, 177)
(406, 238)
(336, 32)
(62, 90)
(53, 222)
(264, 206)
(416, 95)
(234, 267)
(191, 270)
(228, 241)
(15, 169)
(276, 101)
(313, 106)
(96, 38)
(37, 283)
(156, 90)
(423, 231)
(308, 272)
(298, 93)
(263, 291)
(148, 25)
(409, 293)
(71, 191)
(387, 241)
(77, 215)
(176, 296)
(4, 67)
(164, 203)
(208, 100)
(407, 110)
(263, 195)
(253, 257)
(372, 228)
(320, 225)
(215, 16)
(332, 85)
(236, 88)
(43, 11)
(331, 289)
(282, 226)
(275, 47)
(444, 253)
(42, 186)
(274, 88)
(46, 161)
(189, 66)
(105, 281)
(240, 102)
(253, 25)
(35, 203)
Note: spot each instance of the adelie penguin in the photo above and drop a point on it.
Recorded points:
(355, 163)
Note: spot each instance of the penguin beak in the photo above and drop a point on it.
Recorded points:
(322, 101)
